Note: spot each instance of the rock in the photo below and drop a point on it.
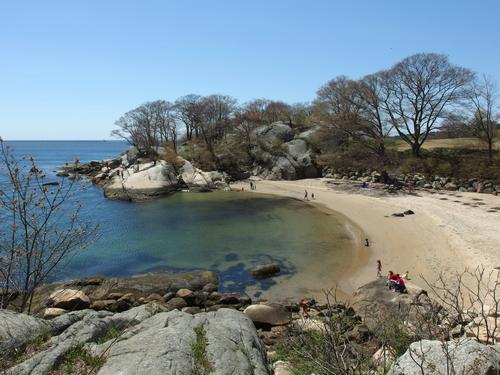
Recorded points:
(191, 310)
(185, 294)
(374, 300)
(143, 181)
(485, 330)
(176, 303)
(69, 299)
(309, 325)
(52, 312)
(467, 357)
(450, 186)
(282, 368)
(168, 296)
(456, 331)
(268, 314)
(155, 297)
(229, 299)
(359, 334)
(210, 288)
(264, 271)
(398, 214)
(102, 304)
(409, 212)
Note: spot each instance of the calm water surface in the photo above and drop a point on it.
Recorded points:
(221, 231)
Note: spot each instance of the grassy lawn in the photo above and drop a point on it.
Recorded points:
(468, 143)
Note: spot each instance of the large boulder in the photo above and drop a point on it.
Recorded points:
(374, 301)
(268, 314)
(142, 181)
(277, 131)
(196, 178)
(69, 299)
(279, 156)
(264, 271)
(152, 341)
(466, 357)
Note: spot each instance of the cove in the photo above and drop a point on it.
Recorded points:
(227, 232)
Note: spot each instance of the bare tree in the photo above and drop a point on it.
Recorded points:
(148, 126)
(418, 92)
(483, 96)
(354, 107)
(43, 227)
(190, 112)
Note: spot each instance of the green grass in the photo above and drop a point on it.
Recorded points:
(112, 333)
(201, 365)
(13, 357)
(79, 361)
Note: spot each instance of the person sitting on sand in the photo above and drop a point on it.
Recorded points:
(400, 285)
(367, 243)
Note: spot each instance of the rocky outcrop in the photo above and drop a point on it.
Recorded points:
(458, 357)
(278, 155)
(142, 181)
(132, 177)
(120, 294)
(374, 300)
(149, 341)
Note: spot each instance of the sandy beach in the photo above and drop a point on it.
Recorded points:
(449, 232)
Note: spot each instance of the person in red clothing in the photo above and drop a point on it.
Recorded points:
(400, 285)
(391, 280)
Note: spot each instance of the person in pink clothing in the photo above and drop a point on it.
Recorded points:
(400, 285)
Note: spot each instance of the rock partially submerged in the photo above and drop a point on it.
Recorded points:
(264, 271)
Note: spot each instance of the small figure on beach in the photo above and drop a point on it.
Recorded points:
(400, 285)
(406, 275)
(379, 268)
(367, 243)
(312, 196)
(304, 306)
(391, 280)
(305, 195)
(251, 185)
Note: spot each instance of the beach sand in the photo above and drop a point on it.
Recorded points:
(449, 232)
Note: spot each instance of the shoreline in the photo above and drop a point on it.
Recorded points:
(430, 242)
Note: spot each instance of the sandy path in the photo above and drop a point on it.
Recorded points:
(443, 236)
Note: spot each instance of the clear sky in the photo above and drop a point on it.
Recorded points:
(69, 69)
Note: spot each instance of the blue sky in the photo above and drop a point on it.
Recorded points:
(69, 69)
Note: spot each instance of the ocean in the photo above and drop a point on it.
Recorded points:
(228, 232)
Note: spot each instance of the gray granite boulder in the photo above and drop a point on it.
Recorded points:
(465, 357)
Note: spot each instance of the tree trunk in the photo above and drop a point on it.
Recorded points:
(415, 148)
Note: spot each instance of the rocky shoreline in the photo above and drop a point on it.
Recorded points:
(139, 323)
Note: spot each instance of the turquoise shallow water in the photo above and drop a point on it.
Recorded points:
(221, 231)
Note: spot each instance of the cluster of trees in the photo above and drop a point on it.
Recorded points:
(412, 100)
(207, 118)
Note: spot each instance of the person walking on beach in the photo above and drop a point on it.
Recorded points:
(379, 268)
(305, 195)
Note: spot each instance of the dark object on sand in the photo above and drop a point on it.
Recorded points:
(409, 212)
(53, 183)
(398, 214)
(367, 243)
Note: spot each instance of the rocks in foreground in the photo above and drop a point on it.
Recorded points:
(268, 314)
(461, 357)
(149, 340)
